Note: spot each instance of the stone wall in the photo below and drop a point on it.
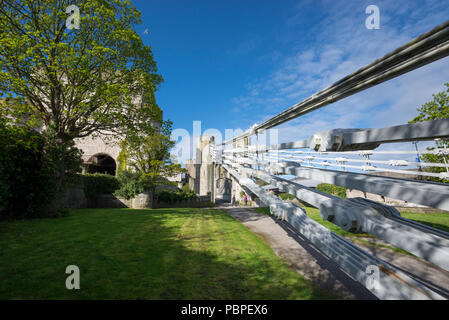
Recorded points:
(99, 145)
(75, 199)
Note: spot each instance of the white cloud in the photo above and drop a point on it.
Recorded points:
(342, 45)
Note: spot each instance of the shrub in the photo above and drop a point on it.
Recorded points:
(332, 189)
(20, 163)
(175, 196)
(33, 172)
(126, 176)
(98, 184)
(131, 184)
(131, 189)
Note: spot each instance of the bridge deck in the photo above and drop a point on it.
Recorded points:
(302, 255)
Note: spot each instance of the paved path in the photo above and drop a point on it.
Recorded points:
(301, 254)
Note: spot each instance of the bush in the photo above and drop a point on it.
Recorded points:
(33, 172)
(332, 189)
(175, 196)
(20, 164)
(125, 176)
(131, 189)
(98, 184)
(131, 184)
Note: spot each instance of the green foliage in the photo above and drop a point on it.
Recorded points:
(436, 109)
(131, 189)
(332, 189)
(75, 83)
(434, 158)
(89, 76)
(131, 183)
(29, 165)
(20, 163)
(98, 184)
(122, 161)
(149, 156)
(433, 110)
(127, 176)
(286, 196)
(175, 196)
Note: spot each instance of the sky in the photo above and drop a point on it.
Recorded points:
(231, 64)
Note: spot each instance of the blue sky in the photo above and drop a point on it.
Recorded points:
(231, 64)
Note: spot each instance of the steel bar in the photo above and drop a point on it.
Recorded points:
(314, 164)
(391, 284)
(364, 216)
(435, 195)
(357, 139)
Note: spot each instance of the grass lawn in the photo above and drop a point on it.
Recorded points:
(436, 220)
(144, 254)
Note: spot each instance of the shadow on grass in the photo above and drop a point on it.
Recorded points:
(143, 254)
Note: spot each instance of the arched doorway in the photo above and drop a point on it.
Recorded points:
(223, 189)
(101, 163)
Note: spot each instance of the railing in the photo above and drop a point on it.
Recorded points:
(348, 158)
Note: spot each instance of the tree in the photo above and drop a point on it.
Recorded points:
(79, 82)
(74, 83)
(433, 110)
(149, 156)
(436, 109)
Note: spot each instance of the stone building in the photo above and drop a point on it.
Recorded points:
(208, 178)
(199, 168)
(100, 154)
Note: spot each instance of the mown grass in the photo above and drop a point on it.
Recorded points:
(436, 220)
(144, 254)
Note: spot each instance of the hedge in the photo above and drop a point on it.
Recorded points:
(25, 181)
(97, 184)
(175, 196)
